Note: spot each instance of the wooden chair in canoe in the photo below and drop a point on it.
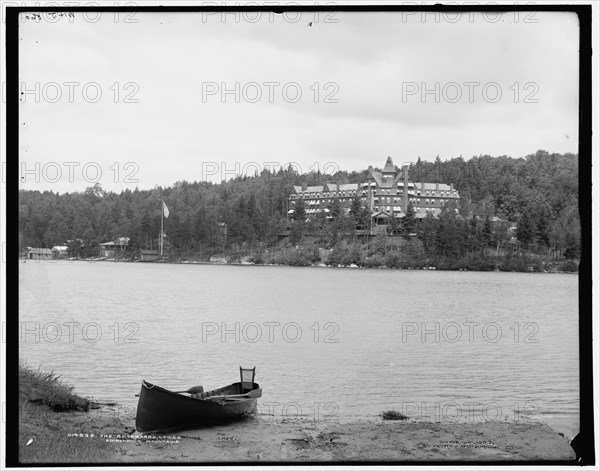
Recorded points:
(247, 379)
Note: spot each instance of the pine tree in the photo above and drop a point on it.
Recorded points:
(335, 209)
(486, 233)
(299, 210)
(571, 246)
(525, 228)
(355, 208)
(409, 221)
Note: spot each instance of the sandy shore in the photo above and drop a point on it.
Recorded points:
(105, 433)
(261, 441)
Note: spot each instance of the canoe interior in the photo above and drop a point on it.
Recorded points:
(161, 410)
(235, 388)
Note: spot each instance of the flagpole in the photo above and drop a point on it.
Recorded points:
(162, 214)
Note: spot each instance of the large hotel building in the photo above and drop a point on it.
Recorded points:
(386, 193)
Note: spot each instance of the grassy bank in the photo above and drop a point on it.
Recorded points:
(49, 417)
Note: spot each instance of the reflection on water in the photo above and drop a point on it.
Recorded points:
(449, 346)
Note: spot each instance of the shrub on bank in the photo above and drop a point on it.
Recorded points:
(315, 255)
(482, 264)
(293, 258)
(336, 255)
(513, 264)
(374, 261)
(393, 260)
(49, 412)
(569, 266)
(352, 256)
(49, 390)
(258, 258)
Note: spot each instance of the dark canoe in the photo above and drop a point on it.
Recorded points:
(161, 410)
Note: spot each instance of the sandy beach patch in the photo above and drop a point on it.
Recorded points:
(261, 441)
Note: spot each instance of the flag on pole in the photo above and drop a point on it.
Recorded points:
(165, 210)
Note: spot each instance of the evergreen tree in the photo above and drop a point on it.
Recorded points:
(572, 246)
(356, 208)
(336, 209)
(486, 232)
(525, 228)
(299, 210)
(409, 221)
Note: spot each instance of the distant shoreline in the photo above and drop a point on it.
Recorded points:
(320, 265)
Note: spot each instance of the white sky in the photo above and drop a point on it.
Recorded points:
(176, 132)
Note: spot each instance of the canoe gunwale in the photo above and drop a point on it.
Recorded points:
(252, 394)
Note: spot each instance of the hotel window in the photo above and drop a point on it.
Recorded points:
(426, 202)
(376, 208)
(293, 197)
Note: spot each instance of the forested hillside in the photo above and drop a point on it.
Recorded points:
(538, 192)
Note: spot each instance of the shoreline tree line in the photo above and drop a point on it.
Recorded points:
(513, 213)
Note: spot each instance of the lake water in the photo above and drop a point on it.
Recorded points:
(327, 343)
